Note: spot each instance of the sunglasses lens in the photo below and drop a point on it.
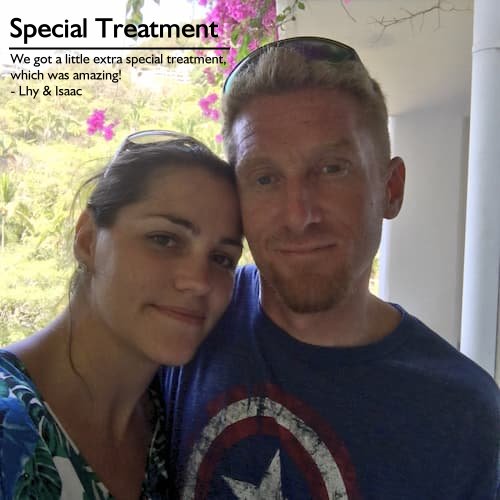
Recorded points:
(321, 51)
(150, 137)
(313, 49)
(146, 137)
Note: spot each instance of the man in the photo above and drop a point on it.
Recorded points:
(310, 386)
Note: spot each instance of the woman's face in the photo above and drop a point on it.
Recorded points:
(162, 275)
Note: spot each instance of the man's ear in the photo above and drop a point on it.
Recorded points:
(394, 187)
(85, 239)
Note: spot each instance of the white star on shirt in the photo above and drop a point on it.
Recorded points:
(268, 489)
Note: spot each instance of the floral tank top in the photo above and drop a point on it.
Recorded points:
(37, 458)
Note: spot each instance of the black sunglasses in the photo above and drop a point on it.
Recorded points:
(311, 47)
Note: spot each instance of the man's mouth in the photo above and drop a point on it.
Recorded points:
(304, 249)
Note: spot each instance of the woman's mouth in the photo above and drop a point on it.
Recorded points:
(186, 315)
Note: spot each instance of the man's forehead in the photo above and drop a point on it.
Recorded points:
(303, 106)
(273, 122)
(291, 97)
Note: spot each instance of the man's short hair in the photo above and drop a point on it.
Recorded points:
(282, 69)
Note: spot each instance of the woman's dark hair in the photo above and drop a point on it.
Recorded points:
(125, 178)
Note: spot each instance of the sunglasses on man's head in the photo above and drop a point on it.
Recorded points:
(312, 48)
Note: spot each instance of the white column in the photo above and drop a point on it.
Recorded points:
(421, 258)
(482, 235)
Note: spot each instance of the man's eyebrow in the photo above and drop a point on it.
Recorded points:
(250, 160)
(334, 145)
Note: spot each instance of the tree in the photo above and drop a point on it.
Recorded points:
(7, 208)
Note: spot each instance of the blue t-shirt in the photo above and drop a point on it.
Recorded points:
(259, 414)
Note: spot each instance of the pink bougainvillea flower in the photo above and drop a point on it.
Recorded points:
(206, 104)
(209, 75)
(214, 114)
(108, 131)
(253, 44)
(203, 105)
(240, 10)
(212, 98)
(236, 27)
(270, 16)
(230, 60)
(96, 122)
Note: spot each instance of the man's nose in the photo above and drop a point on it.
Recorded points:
(301, 207)
(193, 275)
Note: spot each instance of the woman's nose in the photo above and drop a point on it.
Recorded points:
(193, 276)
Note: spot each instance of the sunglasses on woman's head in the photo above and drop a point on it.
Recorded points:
(148, 137)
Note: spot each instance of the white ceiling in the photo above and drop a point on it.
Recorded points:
(420, 64)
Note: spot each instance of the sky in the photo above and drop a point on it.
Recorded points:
(56, 11)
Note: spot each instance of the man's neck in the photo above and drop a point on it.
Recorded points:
(360, 319)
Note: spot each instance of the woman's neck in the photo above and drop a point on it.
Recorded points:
(81, 371)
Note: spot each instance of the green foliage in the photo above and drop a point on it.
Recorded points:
(30, 292)
(134, 10)
(8, 148)
(45, 155)
(7, 204)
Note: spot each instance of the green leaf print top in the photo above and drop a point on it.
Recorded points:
(37, 459)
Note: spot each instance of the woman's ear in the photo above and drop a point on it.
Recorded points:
(395, 187)
(85, 239)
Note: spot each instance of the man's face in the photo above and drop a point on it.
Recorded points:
(313, 195)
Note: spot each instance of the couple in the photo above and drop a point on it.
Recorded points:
(308, 386)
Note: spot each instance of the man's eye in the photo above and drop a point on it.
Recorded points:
(163, 240)
(264, 180)
(224, 261)
(331, 169)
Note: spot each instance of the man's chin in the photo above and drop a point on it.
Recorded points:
(308, 292)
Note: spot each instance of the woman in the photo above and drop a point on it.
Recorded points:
(80, 413)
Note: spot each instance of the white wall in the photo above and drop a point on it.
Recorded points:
(422, 253)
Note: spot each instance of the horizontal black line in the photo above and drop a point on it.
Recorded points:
(119, 48)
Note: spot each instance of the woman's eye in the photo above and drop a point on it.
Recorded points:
(163, 240)
(224, 261)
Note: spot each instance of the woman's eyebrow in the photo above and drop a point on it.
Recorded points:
(232, 242)
(179, 221)
(195, 230)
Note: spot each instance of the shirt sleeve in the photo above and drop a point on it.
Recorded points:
(18, 441)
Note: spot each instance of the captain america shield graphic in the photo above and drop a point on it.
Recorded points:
(268, 446)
